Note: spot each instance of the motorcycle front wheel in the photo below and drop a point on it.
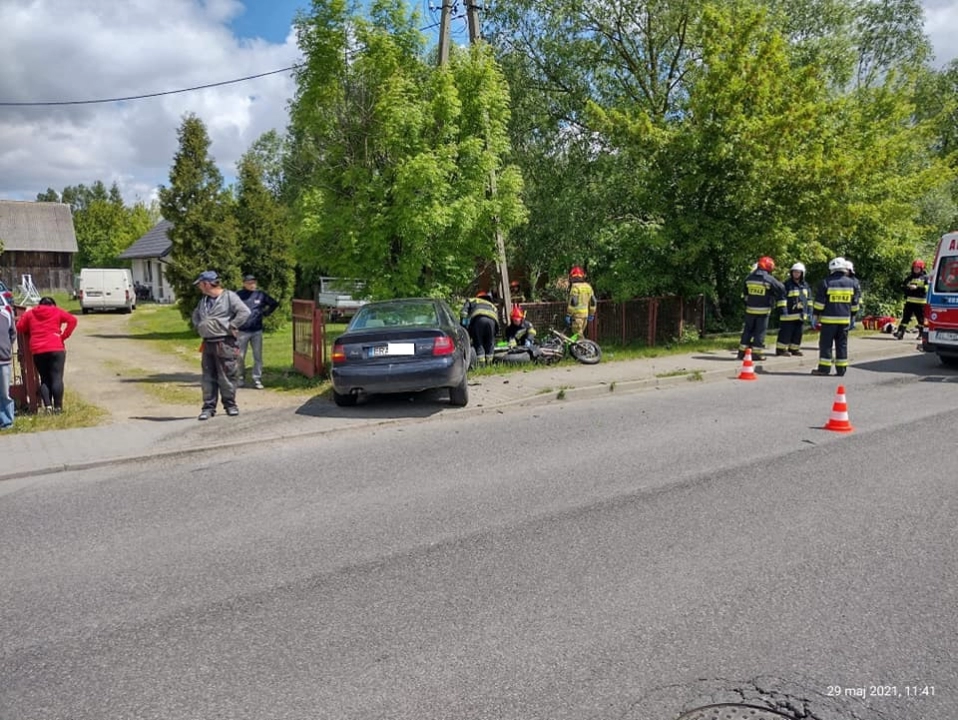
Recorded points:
(586, 352)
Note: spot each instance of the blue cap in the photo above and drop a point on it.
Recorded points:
(207, 276)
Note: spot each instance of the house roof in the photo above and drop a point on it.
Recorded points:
(36, 227)
(155, 244)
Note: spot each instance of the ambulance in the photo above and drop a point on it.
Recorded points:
(941, 313)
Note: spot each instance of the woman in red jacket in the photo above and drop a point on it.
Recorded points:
(46, 327)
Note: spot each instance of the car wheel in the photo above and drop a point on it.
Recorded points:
(459, 395)
(86, 311)
(348, 400)
(473, 358)
(948, 360)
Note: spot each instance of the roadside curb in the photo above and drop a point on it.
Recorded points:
(534, 398)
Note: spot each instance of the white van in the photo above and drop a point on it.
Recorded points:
(106, 289)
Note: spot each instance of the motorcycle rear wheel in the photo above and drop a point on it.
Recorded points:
(586, 352)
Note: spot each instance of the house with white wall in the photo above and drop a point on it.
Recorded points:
(148, 257)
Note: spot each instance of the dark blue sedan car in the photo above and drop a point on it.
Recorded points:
(401, 346)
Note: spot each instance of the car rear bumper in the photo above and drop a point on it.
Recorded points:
(398, 377)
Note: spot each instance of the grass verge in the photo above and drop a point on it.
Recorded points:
(76, 414)
(164, 329)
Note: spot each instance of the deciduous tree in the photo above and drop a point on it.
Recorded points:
(395, 156)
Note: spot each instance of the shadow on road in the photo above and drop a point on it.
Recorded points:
(183, 378)
(158, 418)
(380, 407)
(923, 365)
(184, 335)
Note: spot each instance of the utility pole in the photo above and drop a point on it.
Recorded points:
(475, 37)
(445, 22)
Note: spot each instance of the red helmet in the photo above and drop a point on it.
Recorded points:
(483, 294)
(577, 273)
(517, 315)
(919, 264)
(766, 263)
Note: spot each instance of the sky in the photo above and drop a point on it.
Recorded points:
(68, 50)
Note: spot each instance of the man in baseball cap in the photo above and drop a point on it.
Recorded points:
(261, 306)
(217, 318)
(208, 276)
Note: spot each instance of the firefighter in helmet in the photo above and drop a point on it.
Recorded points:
(519, 332)
(915, 287)
(582, 303)
(836, 301)
(481, 317)
(762, 292)
(794, 309)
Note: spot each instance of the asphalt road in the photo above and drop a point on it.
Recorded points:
(609, 558)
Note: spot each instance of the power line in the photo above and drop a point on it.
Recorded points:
(101, 101)
(148, 95)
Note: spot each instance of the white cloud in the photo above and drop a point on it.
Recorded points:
(86, 49)
(55, 50)
(941, 24)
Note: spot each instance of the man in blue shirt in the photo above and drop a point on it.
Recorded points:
(260, 305)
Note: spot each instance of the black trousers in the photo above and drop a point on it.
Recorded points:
(753, 336)
(50, 367)
(220, 364)
(790, 335)
(837, 336)
(912, 310)
(482, 330)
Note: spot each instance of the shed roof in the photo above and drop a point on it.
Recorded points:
(36, 226)
(155, 244)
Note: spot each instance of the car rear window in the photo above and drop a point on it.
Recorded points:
(398, 315)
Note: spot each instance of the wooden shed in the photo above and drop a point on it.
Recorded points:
(38, 240)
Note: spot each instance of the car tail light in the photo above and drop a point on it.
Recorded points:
(79, 294)
(339, 354)
(443, 345)
(128, 296)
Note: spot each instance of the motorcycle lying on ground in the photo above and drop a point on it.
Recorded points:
(553, 348)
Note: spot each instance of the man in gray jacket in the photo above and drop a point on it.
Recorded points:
(8, 335)
(217, 318)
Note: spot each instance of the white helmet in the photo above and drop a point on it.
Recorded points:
(798, 266)
(836, 264)
(850, 266)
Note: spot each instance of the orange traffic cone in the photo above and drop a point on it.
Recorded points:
(838, 420)
(748, 367)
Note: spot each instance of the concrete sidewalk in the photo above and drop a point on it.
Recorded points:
(142, 438)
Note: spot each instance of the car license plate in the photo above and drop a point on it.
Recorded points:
(946, 336)
(401, 348)
(390, 349)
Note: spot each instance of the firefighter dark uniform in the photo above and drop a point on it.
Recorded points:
(519, 332)
(794, 311)
(836, 301)
(481, 317)
(762, 293)
(915, 287)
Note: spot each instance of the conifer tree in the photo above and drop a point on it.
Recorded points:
(203, 228)
(265, 237)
